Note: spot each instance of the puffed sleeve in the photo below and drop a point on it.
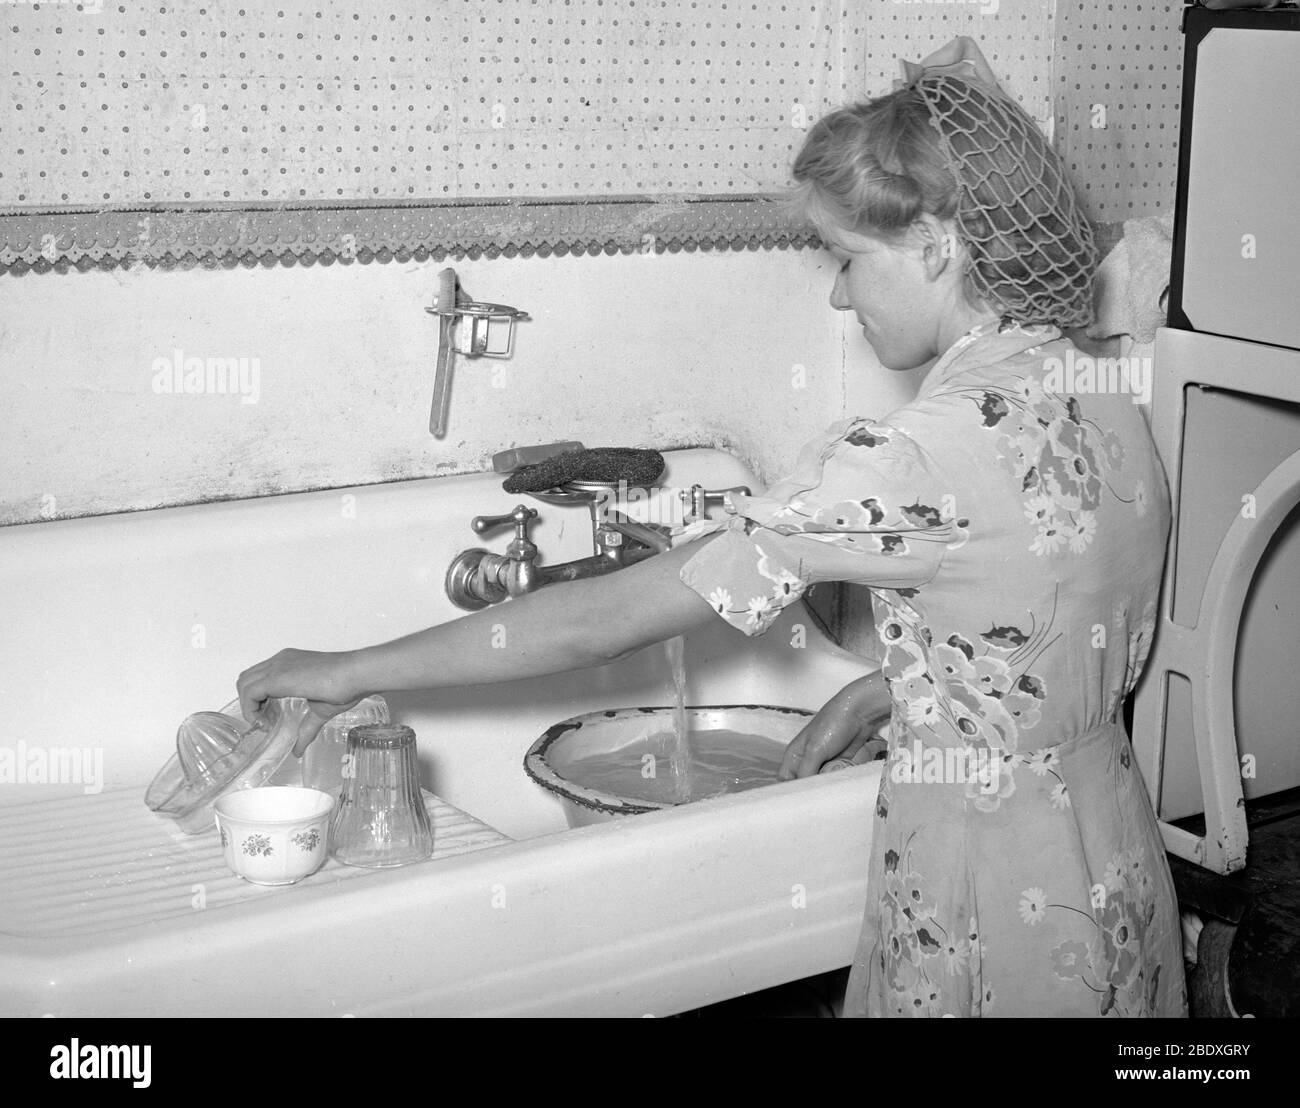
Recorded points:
(863, 506)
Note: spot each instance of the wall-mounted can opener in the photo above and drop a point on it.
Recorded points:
(475, 329)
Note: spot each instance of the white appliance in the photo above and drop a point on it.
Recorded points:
(1217, 716)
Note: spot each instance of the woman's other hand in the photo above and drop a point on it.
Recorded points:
(841, 729)
(319, 678)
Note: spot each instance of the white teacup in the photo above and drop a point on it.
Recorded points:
(274, 835)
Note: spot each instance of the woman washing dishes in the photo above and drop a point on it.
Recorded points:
(1013, 538)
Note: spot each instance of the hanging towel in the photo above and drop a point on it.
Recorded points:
(1133, 279)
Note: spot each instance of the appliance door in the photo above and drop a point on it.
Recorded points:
(1237, 238)
(1216, 710)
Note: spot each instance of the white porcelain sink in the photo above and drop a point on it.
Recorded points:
(119, 626)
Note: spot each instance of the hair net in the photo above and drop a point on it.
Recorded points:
(1031, 250)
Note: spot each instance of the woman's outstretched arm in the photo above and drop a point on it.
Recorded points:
(566, 626)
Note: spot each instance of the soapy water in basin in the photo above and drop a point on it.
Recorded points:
(720, 761)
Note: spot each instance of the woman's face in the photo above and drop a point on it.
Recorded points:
(902, 304)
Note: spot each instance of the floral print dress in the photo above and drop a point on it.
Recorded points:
(1013, 537)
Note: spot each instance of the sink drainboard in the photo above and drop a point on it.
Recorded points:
(93, 864)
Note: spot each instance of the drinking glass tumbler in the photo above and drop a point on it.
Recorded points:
(380, 820)
(323, 762)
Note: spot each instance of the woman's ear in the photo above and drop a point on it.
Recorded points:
(937, 241)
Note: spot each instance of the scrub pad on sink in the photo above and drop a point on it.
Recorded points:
(606, 464)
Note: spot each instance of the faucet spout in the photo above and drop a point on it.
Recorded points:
(653, 540)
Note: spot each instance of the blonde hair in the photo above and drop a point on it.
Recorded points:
(874, 168)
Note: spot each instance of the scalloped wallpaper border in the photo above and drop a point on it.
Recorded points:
(170, 236)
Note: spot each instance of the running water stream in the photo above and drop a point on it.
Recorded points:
(723, 761)
(679, 749)
(707, 763)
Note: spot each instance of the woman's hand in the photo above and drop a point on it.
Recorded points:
(841, 729)
(323, 680)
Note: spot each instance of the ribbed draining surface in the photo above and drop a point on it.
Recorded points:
(89, 864)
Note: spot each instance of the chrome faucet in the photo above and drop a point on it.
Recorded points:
(478, 578)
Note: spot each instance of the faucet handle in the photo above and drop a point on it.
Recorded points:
(698, 500)
(521, 547)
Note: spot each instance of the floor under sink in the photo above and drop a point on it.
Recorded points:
(819, 997)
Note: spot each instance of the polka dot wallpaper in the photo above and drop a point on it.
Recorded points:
(1118, 87)
(128, 103)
